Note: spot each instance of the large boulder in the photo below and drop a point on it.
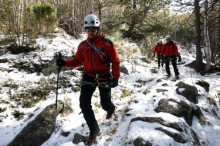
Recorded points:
(178, 137)
(177, 108)
(158, 120)
(40, 129)
(190, 92)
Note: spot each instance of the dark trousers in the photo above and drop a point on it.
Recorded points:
(173, 60)
(159, 60)
(87, 89)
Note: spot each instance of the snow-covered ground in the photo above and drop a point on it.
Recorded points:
(136, 96)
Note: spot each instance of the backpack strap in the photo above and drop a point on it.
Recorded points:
(100, 53)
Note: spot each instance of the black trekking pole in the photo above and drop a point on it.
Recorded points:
(58, 72)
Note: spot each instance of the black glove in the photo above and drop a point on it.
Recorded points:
(180, 59)
(60, 62)
(113, 83)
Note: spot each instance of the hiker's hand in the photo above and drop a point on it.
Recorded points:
(180, 59)
(60, 62)
(113, 83)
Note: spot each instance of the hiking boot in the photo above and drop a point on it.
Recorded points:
(177, 77)
(110, 113)
(168, 76)
(92, 137)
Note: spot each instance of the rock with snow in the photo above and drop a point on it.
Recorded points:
(15, 49)
(190, 92)
(140, 142)
(160, 121)
(2, 51)
(199, 114)
(177, 108)
(144, 59)
(78, 138)
(154, 71)
(176, 136)
(40, 129)
(124, 70)
(203, 84)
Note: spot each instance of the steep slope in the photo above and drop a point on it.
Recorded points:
(140, 92)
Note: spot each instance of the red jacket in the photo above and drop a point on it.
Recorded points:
(170, 49)
(92, 61)
(158, 49)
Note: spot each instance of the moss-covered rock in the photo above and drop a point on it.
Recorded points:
(158, 120)
(40, 129)
(198, 113)
(28, 97)
(153, 70)
(78, 138)
(196, 138)
(190, 92)
(14, 49)
(165, 84)
(204, 84)
(176, 136)
(10, 83)
(161, 90)
(2, 109)
(3, 60)
(140, 142)
(18, 114)
(177, 108)
(125, 93)
(147, 91)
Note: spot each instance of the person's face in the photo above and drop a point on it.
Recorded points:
(168, 40)
(91, 32)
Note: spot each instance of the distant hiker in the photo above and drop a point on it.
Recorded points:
(96, 55)
(171, 53)
(158, 50)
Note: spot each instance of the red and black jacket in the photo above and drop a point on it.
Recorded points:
(94, 62)
(170, 49)
(158, 49)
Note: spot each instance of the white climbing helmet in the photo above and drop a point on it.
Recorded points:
(91, 20)
(168, 37)
(160, 41)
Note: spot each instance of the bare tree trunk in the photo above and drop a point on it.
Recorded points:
(58, 11)
(199, 62)
(73, 18)
(133, 20)
(93, 6)
(217, 31)
(206, 37)
(100, 10)
(24, 22)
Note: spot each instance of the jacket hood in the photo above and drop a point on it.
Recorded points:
(97, 38)
(170, 42)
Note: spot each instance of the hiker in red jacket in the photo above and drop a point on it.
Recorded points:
(96, 54)
(158, 49)
(171, 53)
